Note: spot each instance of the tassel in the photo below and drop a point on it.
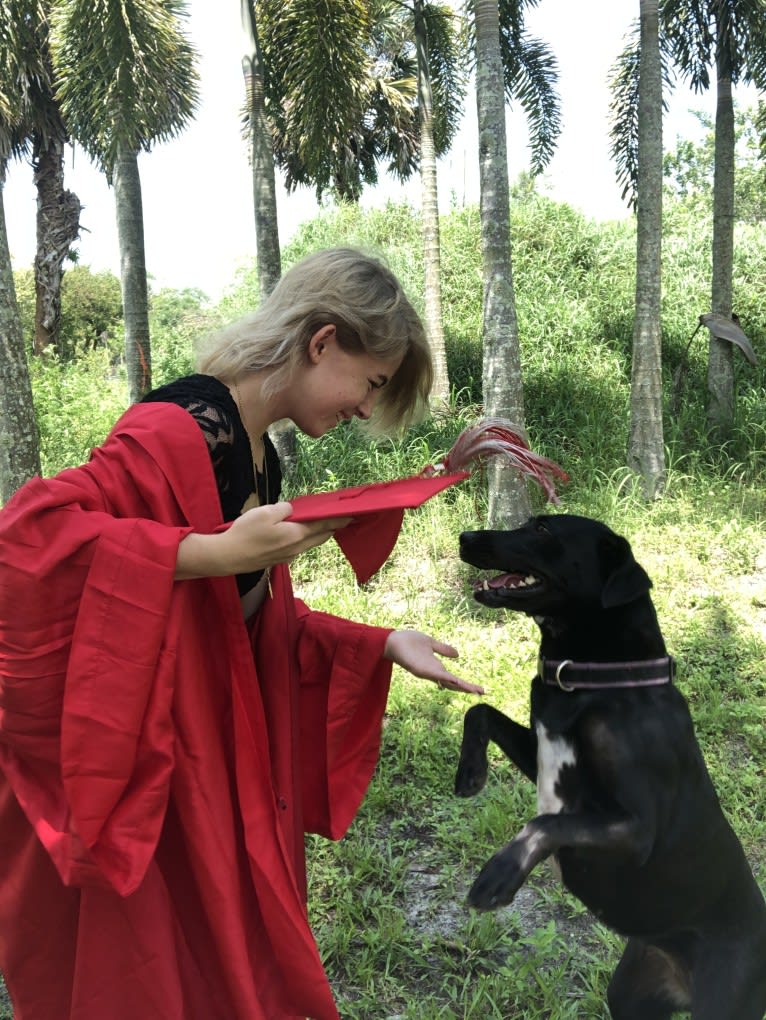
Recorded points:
(499, 437)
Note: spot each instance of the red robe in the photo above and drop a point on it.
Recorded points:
(159, 760)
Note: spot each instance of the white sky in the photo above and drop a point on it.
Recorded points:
(197, 190)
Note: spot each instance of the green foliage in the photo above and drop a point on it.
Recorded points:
(24, 284)
(574, 284)
(91, 309)
(689, 168)
(178, 319)
(76, 403)
(78, 398)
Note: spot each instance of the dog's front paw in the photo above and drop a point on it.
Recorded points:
(471, 773)
(498, 881)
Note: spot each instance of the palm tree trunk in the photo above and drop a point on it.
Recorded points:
(503, 393)
(265, 204)
(264, 182)
(646, 449)
(720, 377)
(58, 227)
(135, 297)
(19, 440)
(430, 215)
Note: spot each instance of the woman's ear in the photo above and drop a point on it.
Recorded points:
(319, 340)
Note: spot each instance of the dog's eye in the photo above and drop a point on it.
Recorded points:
(541, 529)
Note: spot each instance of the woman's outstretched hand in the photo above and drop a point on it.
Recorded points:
(260, 538)
(417, 653)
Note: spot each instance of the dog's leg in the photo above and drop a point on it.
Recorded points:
(505, 873)
(481, 724)
(649, 984)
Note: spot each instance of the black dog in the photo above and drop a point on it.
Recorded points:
(625, 801)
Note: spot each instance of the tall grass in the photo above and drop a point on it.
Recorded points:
(387, 902)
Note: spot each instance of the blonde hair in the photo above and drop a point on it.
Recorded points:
(363, 299)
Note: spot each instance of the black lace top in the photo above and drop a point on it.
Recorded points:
(212, 406)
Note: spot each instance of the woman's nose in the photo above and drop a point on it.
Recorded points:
(364, 409)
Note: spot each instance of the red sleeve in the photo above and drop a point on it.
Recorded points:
(344, 683)
(85, 738)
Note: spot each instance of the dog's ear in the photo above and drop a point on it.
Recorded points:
(626, 580)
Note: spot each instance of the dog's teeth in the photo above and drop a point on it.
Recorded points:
(530, 579)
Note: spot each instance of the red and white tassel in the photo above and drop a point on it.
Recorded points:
(498, 437)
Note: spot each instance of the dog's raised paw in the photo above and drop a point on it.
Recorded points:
(496, 884)
(470, 777)
(468, 781)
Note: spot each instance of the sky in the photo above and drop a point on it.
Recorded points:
(197, 189)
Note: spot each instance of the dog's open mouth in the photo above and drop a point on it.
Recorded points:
(508, 582)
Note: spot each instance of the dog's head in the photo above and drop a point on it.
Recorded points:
(553, 565)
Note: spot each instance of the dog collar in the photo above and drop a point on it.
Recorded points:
(573, 676)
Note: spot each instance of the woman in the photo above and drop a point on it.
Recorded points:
(172, 719)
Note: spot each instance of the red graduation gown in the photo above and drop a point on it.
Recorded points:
(159, 761)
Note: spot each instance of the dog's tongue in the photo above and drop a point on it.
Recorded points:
(504, 580)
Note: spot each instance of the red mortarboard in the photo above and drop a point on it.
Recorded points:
(378, 509)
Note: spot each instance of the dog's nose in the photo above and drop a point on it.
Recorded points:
(465, 540)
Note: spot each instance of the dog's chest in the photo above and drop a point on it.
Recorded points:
(556, 765)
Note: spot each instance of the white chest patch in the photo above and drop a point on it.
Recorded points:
(553, 753)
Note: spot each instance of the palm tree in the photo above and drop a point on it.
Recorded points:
(19, 439)
(262, 157)
(393, 101)
(646, 448)
(502, 386)
(439, 69)
(731, 36)
(19, 444)
(126, 80)
(509, 64)
(41, 131)
(319, 87)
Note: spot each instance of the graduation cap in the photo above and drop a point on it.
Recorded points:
(378, 509)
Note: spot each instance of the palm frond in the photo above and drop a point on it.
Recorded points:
(530, 73)
(623, 109)
(125, 73)
(448, 69)
(689, 40)
(531, 77)
(28, 110)
(316, 70)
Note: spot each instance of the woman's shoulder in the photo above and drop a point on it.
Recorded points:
(191, 390)
(208, 401)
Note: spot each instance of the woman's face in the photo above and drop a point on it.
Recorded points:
(337, 385)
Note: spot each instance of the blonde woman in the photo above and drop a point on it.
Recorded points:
(172, 719)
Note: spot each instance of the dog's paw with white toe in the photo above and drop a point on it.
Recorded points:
(498, 881)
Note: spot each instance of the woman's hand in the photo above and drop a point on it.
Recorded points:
(260, 538)
(417, 653)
